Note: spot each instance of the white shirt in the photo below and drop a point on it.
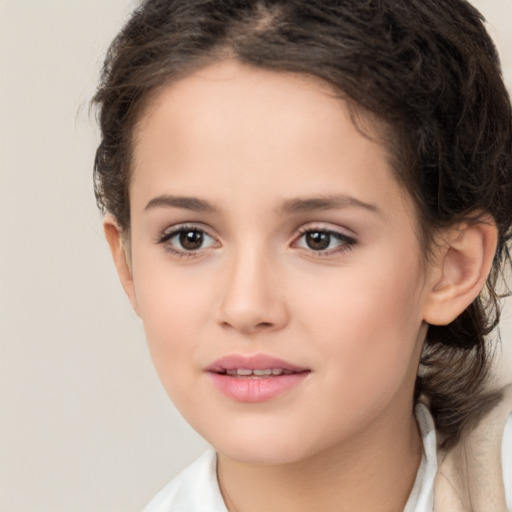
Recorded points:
(196, 488)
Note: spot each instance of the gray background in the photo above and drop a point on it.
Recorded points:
(84, 423)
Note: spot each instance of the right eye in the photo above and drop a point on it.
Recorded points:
(185, 240)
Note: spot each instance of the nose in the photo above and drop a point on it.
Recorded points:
(252, 296)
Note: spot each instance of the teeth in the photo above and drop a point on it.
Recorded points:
(245, 372)
(262, 372)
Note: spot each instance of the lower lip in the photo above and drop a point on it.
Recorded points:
(260, 389)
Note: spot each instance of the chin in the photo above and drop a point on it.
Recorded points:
(260, 446)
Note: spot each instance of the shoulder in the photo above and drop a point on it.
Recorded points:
(474, 474)
(195, 488)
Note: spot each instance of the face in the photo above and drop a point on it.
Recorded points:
(274, 264)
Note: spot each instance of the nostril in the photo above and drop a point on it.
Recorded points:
(264, 324)
(258, 326)
(251, 314)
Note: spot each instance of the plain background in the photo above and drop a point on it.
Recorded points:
(84, 423)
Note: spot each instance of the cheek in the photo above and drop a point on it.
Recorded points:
(174, 309)
(367, 322)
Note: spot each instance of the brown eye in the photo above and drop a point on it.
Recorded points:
(324, 242)
(317, 240)
(191, 240)
(186, 240)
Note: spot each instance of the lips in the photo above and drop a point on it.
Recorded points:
(252, 362)
(255, 378)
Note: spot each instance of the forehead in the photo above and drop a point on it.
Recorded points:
(239, 128)
(244, 100)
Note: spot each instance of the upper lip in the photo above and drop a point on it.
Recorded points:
(252, 362)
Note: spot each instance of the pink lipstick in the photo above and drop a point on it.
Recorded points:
(255, 378)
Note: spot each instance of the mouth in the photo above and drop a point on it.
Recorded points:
(255, 378)
(254, 366)
(247, 373)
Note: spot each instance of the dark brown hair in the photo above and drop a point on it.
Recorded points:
(426, 69)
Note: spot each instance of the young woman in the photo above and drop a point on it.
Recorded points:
(308, 204)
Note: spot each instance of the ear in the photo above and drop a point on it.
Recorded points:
(121, 257)
(461, 266)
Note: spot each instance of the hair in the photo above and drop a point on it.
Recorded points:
(425, 69)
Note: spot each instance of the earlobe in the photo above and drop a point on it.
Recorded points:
(121, 259)
(462, 264)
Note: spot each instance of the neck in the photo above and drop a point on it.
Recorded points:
(374, 470)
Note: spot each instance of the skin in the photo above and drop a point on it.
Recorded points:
(252, 144)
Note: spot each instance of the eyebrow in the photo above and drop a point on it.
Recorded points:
(336, 202)
(290, 206)
(186, 203)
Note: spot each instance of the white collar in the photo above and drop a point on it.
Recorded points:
(421, 498)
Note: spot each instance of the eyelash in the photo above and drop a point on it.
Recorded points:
(166, 236)
(346, 243)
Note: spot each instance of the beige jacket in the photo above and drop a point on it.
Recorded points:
(469, 477)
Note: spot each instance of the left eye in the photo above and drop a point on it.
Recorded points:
(323, 240)
(187, 240)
